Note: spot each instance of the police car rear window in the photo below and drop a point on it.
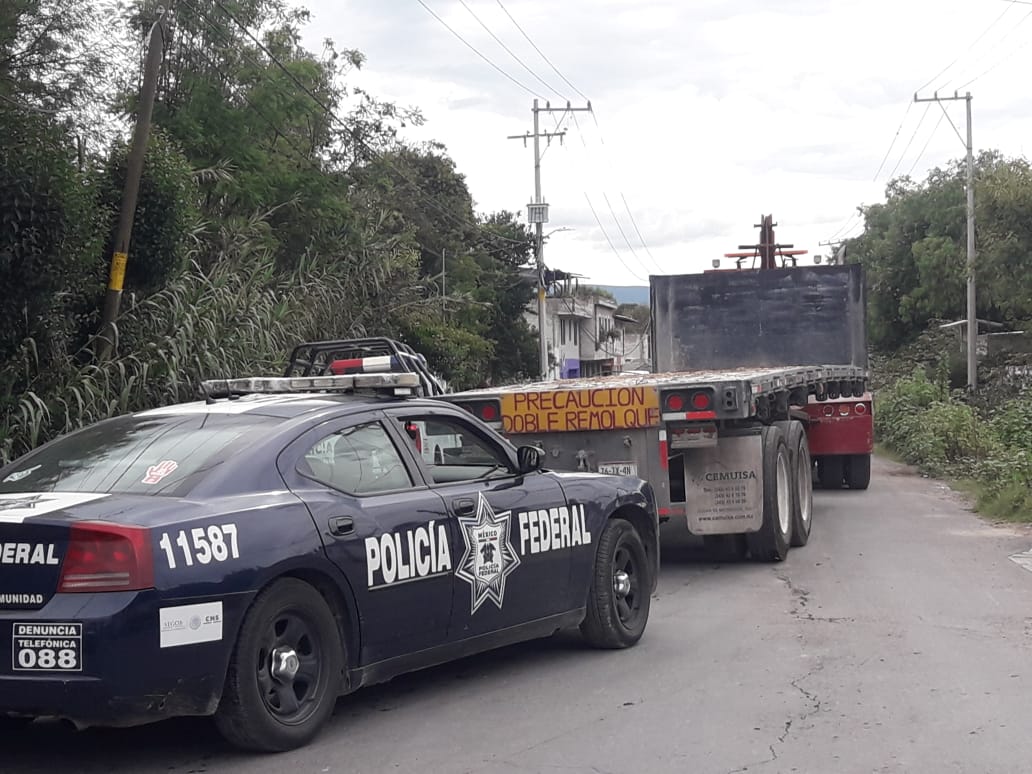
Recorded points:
(135, 455)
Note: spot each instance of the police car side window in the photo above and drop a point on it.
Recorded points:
(453, 452)
(357, 460)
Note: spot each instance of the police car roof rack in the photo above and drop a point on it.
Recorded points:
(375, 354)
(395, 384)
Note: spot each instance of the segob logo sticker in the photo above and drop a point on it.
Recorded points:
(489, 557)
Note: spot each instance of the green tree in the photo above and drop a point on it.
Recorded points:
(914, 248)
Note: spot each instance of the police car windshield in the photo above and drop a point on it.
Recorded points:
(155, 455)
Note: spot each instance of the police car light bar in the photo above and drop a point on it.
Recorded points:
(394, 384)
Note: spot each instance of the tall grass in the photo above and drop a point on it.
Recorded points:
(238, 317)
(928, 426)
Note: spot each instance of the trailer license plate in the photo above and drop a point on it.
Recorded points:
(46, 647)
(618, 468)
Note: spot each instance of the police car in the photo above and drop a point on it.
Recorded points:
(257, 554)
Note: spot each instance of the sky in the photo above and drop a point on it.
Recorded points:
(706, 114)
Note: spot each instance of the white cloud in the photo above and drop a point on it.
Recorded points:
(711, 111)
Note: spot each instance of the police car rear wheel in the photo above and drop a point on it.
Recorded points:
(618, 601)
(286, 668)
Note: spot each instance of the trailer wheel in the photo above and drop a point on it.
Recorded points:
(802, 478)
(771, 542)
(831, 470)
(858, 471)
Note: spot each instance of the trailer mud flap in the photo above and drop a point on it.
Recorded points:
(724, 485)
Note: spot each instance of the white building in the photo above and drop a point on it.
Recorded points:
(587, 338)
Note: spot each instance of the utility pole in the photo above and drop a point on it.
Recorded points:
(444, 289)
(972, 316)
(134, 170)
(537, 213)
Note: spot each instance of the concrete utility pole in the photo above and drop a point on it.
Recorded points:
(972, 315)
(537, 213)
(134, 170)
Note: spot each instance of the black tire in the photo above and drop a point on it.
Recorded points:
(621, 587)
(772, 541)
(858, 471)
(802, 478)
(831, 471)
(289, 618)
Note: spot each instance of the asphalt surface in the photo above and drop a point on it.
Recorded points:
(899, 640)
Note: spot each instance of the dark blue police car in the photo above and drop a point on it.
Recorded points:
(257, 554)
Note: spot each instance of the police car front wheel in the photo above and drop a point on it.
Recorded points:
(285, 671)
(618, 601)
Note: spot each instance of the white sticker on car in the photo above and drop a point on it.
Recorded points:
(190, 624)
(201, 545)
(46, 647)
(17, 507)
(489, 557)
(155, 473)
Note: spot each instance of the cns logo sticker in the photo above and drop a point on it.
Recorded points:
(489, 557)
(190, 624)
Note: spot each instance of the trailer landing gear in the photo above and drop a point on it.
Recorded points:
(851, 470)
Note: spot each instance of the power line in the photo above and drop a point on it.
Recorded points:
(540, 52)
(623, 234)
(610, 241)
(580, 133)
(638, 232)
(982, 58)
(927, 142)
(911, 141)
(893, 143)
(970, 48)
(510, 52)
(1003, 59)
(472, 48)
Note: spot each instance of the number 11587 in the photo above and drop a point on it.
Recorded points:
(202, 545)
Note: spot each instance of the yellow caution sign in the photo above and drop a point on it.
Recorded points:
(568, 411)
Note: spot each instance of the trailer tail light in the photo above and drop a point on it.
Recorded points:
(689, 404)
(844, 410)
(829, 410)
(860, 408)
(107, 557)
(489, 411)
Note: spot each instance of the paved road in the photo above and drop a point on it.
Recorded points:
(899, 640)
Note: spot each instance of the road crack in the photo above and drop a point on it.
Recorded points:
(800, 598)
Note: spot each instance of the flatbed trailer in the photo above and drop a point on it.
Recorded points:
(751, 370)
(725, 450)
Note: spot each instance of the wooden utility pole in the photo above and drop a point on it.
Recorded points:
(537, 213)
(134, 170)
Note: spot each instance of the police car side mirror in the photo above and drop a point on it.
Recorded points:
(529, 459)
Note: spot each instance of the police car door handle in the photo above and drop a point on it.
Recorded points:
(342, 525)
(464, 507)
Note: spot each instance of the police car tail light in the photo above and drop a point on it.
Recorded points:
(107, 557)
